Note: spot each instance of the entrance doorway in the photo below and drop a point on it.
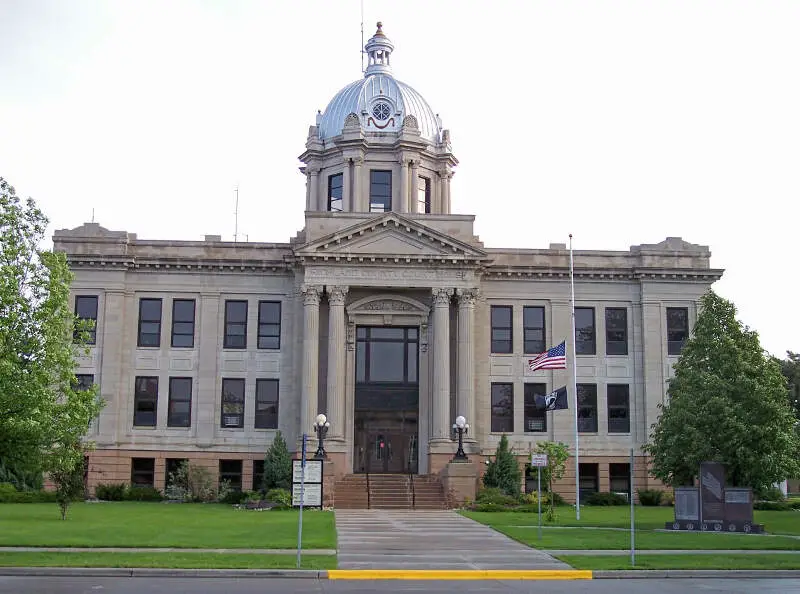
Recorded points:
(386, 419)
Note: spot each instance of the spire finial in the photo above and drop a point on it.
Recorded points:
(380, 29)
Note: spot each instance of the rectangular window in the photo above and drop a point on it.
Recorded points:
(502, 332)
(424, 195)
(179, 408)
(83, 382)
(149, 323)
(86, 309)
(616, 331)
(258, 475)
(266, 404)
(380, 191)
(502, 408)
(533, 330)
(587, 408)
(182, 323)
(172, 466)
(535, 418)
(619, 418)
(269, 324)
(589, 480)
(231, 471)
(143, 472)
(335, 187)
(145, 401)
(620, 478)
(677, 329)
(233, 403)
(585, 343)
(235, 325)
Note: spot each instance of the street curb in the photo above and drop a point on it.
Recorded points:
(737, 574)
(313, 574)
(459, 574)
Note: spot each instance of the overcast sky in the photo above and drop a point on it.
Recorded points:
(620, 122)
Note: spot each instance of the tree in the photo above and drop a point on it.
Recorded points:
(44, 414)
(726, 403)
(790, 367)
(503, 472)
(69, 485)
(277, 465)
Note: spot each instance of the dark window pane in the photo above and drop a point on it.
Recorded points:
(145, 401)
(380, 191)
(587, 408)
(620, 478)
(502, 408)
(171, 469)
(387, 333)
(533, 330)
(618, 398)
(535, 418)
(413, 347)
(424, 195)
(235, 325)
(677, 329)
(386, 361)
(589, 480)
(266, 404)
(182, 323)
(83, 382)
(335, 185)
(86, 309)
(233, 403)
(258, 475)
(616, 331)
(149, 323)
(231, 471)
(502, 334)
(584, 331)
(143, 472)
(361, 362)
(269, 325)
(179, 413)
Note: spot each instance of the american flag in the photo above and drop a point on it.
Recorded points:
(555, 358)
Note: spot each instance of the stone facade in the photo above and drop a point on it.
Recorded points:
(406, 263)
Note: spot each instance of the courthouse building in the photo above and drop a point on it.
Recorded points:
(385, 312)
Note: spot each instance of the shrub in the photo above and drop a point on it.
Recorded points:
(771, 494)
(489, 507)
(7, 490)
(8, 494)
(22, 478)
(650, 497)
(277, 466)
(191, 482)
(668, 498)
(554, 497)
(283, 497)
(495, 496)
(503, 472)
(605, 499)
(110, 492)
(232, 496)
(794, 504)
(143, 494)
(772, 506)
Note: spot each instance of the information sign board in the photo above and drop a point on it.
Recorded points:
(538, 460)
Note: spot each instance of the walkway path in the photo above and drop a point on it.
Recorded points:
(389, 539)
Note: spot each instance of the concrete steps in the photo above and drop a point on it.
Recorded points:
(351, 492)
(389, 492)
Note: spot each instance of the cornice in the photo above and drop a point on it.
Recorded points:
(178, 265)
(603, 274)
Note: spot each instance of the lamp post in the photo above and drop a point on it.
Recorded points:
(321, 426)
(460, 427)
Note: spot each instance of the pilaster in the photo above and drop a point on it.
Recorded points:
(337, 335)
(413, 198)
(313, 176)
(358, 182)
(403, 206)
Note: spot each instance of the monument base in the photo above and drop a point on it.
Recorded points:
(715, 526)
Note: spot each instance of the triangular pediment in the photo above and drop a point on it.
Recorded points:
(390, 236)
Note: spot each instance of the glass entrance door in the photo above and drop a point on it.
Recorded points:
(386, 442)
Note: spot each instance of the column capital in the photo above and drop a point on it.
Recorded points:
(414, 164)
(311, 294)
(405, 161)
(336, 294)
(467, 297)
(441, 296)
(313, 170)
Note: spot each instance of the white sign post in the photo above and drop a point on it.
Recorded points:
(539, 461)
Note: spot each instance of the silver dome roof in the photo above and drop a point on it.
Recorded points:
(377, 91)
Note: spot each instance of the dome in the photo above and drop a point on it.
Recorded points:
(380, 101)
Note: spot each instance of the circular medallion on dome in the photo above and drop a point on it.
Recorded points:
(381, 111)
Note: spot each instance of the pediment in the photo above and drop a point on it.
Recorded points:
(390, 236)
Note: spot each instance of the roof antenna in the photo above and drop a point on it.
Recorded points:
(362, 37)
(236, 216)
(92, 215)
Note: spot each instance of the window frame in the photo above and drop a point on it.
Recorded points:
(331, 187)
(496, 420)
(264, 417)
(139, 341)
(168, 462)
(184, 398)
(424, 188)
(238, 476)
(174, 332)
(623, 351)
(584, 421)
(264, 325)
(675, 347)
(531, 390)
(387, 206)
(151, 472)
(526, 342)
(227, 337)
(615, 475)
(493, 328)
(579, 350)
(258, 485)
(80, 382)
(364, 341)
(143, 396)
(92, 332)
(233, 381)
(624, 390)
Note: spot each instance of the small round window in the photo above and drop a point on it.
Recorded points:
(381, 111)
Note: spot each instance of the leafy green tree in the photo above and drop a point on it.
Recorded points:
(44, 414)
(503, 472)
(277, 465)
(727, 403)
(69, 484)
(790, 367)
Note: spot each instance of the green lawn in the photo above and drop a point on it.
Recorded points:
(167, 560)
(161, 525)
(647, 518)
(777, 561)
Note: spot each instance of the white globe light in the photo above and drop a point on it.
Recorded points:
(321, 419)
(460, 421)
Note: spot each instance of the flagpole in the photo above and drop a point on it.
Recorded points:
(575, 386)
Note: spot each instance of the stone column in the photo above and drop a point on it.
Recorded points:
(347, 204)
(403, 206)
(310, 390)
(414, 204)
(316, 200)
(337, 336)
(446, 192)
(308, 188)
(441, 363)
(358, 199)
(465, 397)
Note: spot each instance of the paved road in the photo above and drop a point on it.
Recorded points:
(63, 585)
(389, 539)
